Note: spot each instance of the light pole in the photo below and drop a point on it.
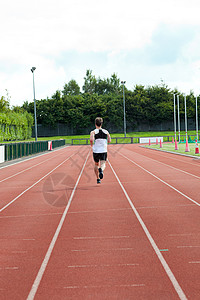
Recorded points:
(123, 83)
(32, 70)
(175, 116)
(179, 134)
(197, 119)
(185, 118)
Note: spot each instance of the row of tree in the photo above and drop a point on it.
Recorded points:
(14, 125)
(104, 97)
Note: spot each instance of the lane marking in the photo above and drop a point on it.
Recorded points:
(100, 237)
(164, 206)
(104, 265)
(35, 184)
(162, 155)
(169, 185)
(168, 271)
(9, 268)
(194, 262)
(5, 239)
(28, 216)
(43, 266)
(103, 286)
(11, 176)
(171, 166)
(99, 250)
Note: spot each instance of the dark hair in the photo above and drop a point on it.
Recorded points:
(98, 121)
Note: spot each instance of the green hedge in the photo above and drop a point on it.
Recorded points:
(15, 126)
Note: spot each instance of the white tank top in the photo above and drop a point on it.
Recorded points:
(100, 141)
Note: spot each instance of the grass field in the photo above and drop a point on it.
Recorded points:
(68, 138)
(171, 147)
(133, 137)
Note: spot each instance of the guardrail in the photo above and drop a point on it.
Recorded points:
(115, 140)
(125, 140)
(18, 150)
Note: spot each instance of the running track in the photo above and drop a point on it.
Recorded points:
(135, 236)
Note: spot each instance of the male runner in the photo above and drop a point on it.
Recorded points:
(98, 140)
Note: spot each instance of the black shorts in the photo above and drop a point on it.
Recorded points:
(99, 156)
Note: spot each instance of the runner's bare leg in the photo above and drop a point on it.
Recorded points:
(103, 164)
(96, 169)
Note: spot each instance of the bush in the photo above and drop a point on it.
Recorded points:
(15, 126)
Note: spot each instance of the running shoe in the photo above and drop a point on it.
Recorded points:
(100, 173)
(98, 180)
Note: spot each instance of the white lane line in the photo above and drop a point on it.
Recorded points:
(104, 265)
(9, 239)
(169, 185)
(25, 170)
(172, 166)
(100, 237)
(164, 206)
(171, 276)
(99, 250)
(103, 286)
(194, 262)
(172, 156)
(9, 268)
(42, 269)
(28, 216)
(30, 187)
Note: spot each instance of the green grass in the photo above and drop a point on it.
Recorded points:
(166, 146)
(114, 135)
(171, 147)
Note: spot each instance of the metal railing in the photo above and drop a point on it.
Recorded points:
(125, 140)
(18, 150)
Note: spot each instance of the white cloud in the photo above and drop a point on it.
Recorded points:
(38, 33)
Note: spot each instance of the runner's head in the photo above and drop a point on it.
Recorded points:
(98, 122)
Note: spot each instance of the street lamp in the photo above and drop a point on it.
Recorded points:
(175, 116)
(179, 133)
(185, 118)
(32, 70)
(123, 83)
(197, 119)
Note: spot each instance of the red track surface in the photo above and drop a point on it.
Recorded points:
(135, 236)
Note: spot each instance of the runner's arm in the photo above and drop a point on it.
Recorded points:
(109, 138)
(91, 138)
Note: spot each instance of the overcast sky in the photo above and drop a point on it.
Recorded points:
(143, 42)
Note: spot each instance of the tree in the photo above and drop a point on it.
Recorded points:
(114, 83)
(4, 105)
(90, 83)
(108, 85)
(57, 95)
(71, 88)
(17, 109)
